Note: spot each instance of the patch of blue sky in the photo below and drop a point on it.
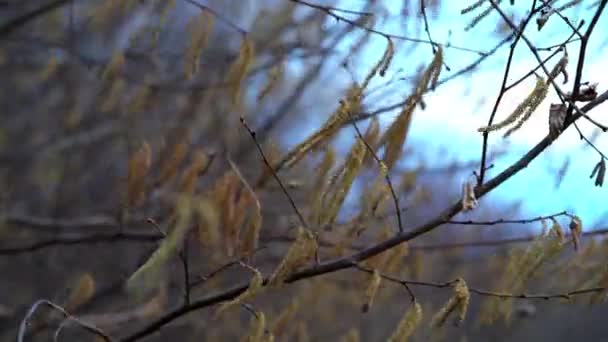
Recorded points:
(447, 129)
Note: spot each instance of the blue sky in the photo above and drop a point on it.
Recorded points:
(457, 109)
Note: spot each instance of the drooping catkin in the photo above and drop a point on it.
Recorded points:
(255, 286)
(81, 293)
(408, 324)
(372, 289)
(171, 163)
(239, 69)
(352, 336)
(338, 194)
(200, 29)
(326, 132)
(524, 110)
(320, 183)
(115, 67)
(138, 167)
(258, 328)
(151, 273)
(285, 319)
(300, 252)
(207, 222)
(459, 302)
(114, 95)
(472, 7)
(479, 17)
(252, 233)
(382, 65)
(193, 172)
(140, 99)
(274, 75)
(50, 69)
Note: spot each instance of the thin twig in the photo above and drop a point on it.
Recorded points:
(25, 322)
(274, 174)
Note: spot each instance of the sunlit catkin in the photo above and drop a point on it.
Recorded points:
(81, 293)
(255, 285)
(300, 252)
(115, 66)
(239, 69)
(524, 110)
(200, 29)
(459, 302)
(408, 324)
(351, 169)
(138, 167)
(285, 319)
(372, 289)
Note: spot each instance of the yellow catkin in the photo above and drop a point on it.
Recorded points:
(81, 293)
(326, 132)
(408, 324)
(200, 29)
(351, 169)
(524, 110)
(140, 99)
(239, 69)
(372, 289)
(382, 65)
(114, 96)
(50, 69)
(352, 336)
(193, 172)
(285, 319)
(320, 182)
(300, 252)
(115, 66)
(388, 57)
(208, 223)
(255, 285)
(274, 75)
(396, 135)
(151, 273)
(170, 165)
(478, 18)
(394, 262)
(138, 167)
(258, 328)
(252, 234)
(459, 302)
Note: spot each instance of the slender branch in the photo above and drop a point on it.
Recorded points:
(329, 12)
(80, 239)
(383, 170)
(348, 261)
(16, 23)
(25, 322)
(274, 174)
(503, 221)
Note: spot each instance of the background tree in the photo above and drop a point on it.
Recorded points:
(223, 170)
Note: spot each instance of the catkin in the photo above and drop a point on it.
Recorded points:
(459, 302)
(300, 252)
(408, 324)
(200, 29)
(82, 292)
(372, 289)
(255, 285)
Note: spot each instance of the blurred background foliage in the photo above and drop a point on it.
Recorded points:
(113, 111)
